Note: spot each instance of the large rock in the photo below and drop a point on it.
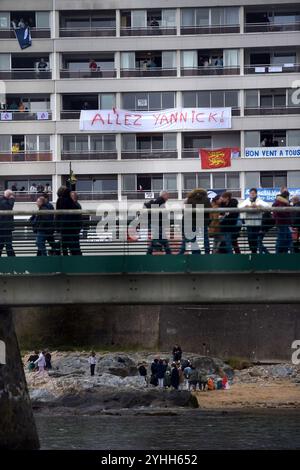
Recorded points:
(96, 400)
(211, 365)
(117, 364)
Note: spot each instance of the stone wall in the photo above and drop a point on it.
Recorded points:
(257, 332)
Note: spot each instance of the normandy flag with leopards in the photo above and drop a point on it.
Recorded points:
(213, 159)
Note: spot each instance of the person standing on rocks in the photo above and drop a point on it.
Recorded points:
(92, 362)
(48, 360)
(193, 378)
(41, 362)
(175, 376)
(161, 369)
(154, 366)
(143, 372)
(177, 353)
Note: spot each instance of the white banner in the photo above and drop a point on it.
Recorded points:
(6, 116)
(120, 120)
(42, 115)
(272, 152)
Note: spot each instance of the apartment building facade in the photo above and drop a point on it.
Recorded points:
(241, 54)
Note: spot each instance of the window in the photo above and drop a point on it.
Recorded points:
(168, 18)
(89, 143)
(252, 139)
(189, 59)
(129, 182)
(275, 179)
(42, 19)
(138, 18)
(196, 141)
(84, 185)
(188, 17)
(233, 181)
(4, 20)
(44, 143)
(107, 100)
(148, 142)
(4, 61)
(231, 57)
(170, 182)
(82, 144)
(5, 143)
(225, 16)
(189, 181)
(31, 143)
(203, 180)
(105, 184)
(202, 16)
(251, 98)
(170, 141)
(127, 60)
(219, 181)
(109, 143)
(152, 101)
(207, 99)
(293, 138)
(168, 59)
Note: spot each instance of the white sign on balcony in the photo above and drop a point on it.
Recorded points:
(272, 152)
(121, 120)
(6, 116)
(42, 115)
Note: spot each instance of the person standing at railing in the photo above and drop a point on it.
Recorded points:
(196, 199)
(7, 223)
(296, 225)
(69, 225)
(228, 222)
(43, 226)
(253, 220)
(160, 240)
(283, 221)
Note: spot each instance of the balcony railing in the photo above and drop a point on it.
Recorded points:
(194, 152)
(271, 111)
(269, 68)
(70, 114)
(271, 27)
(29, 196)
(150, 194)
(65, 73)
(23, 156)
(9, 33)
(151, 154)
(25, 74)
(213, 29)
(90, 155)
(97, 196)
(87, 32)
(150, 72)
(11, 115)
(148, 31)
(210, 70)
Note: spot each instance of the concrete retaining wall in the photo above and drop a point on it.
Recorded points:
(258, 332)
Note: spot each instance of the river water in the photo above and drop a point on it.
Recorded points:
(191, 429)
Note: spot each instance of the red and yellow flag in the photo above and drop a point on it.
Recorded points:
(219, 158)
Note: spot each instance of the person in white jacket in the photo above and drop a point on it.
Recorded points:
(253, 220)
(41, 362)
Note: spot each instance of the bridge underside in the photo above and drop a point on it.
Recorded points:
(150, 279)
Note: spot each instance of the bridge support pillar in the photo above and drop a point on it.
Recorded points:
(17, 426)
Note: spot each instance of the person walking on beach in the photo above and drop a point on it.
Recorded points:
(92, 362)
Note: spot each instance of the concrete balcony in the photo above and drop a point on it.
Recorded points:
(36, 33)
(25, 74)
(64, 73)
(271, 27)
(259, 69)
(148, 31)
(86, 32)
(271, 111)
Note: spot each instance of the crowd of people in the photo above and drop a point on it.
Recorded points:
(181, 374)
(220, 230)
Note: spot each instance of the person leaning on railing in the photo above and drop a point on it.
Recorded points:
(228, 223)
(296, 225)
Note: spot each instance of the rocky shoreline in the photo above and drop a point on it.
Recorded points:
(117, 388)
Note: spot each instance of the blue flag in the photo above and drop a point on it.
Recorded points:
(24, 37)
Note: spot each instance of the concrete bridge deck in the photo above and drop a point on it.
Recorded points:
(139, 279)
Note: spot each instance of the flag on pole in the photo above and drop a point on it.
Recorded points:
(23, 36)
(219, 158)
